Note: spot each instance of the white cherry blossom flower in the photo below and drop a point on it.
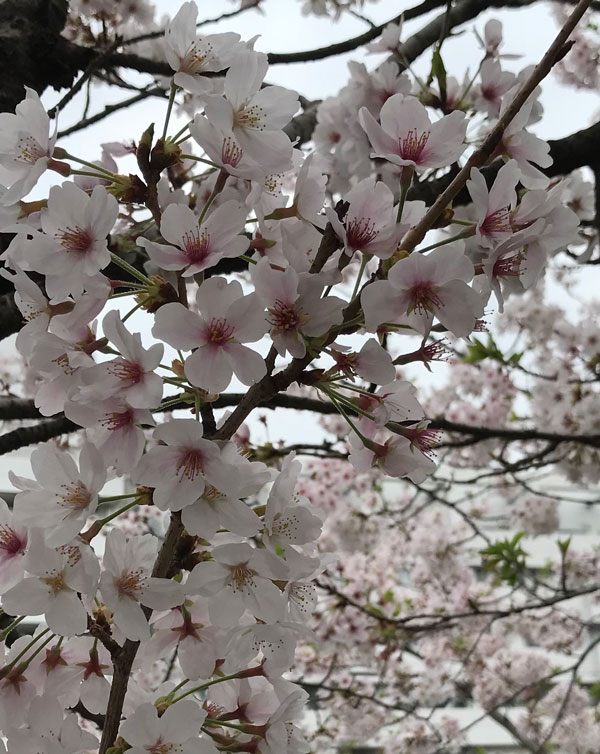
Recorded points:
(493, 208)
(190, 56)
(115, 429)
(176, 730)
(193, 248)
(26, 147)
(295, 309)
(214, 510)
(289, 518)
(238, 578)
(406, 135)
(255, 115)
(131, 375)
(182, 465)
(424, 287)
(126, 583)
(13, 543)
(74, 247)
(186, 629)
(64, 496)
(226, 319)
(56, 576)
(370, 223)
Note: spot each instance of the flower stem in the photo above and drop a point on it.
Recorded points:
(172, 94)
(219, 185)
(6, 631)
(451, 239)
(130, 269)
(363, 263)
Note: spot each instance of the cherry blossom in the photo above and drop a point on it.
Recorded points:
(423, 287)
(406, 135)
(177, 729)
(193, 248)
(253, 115)
(63, 496)
(126, 583)
(239, 578)
(13, 544)
(191, 56)
(226, 319)
(295, 309)
(55, 578)
(26, 146)
(182, 465)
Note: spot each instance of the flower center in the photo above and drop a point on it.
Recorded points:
(497, 222)
(55, 581)
(62, 361)
(250, 117)
(78, 240)
(231, 152)
(28, 150)
(360, 232)
(130, 583)
(508, 266)
(285, 317)
(75, 496)
(160, 748)
(219, 332)
(127, 371)
(117, 420)
(191, 463)
(424, 298)
(196, 57)
(197, 245)
(242, 578)
(412, 146)
(10, 542)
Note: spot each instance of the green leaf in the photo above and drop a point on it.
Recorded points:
(505, 559)
(438, 70)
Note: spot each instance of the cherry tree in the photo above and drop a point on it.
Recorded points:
(319, 254)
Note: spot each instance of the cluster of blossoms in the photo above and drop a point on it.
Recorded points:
(222, 581)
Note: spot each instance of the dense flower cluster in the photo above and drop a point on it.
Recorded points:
(174, 610)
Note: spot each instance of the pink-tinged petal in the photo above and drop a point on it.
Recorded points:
(279, 103)
(216, 295)
(225, 223)
(477, 188)
(267, 602)
(450, 263)
(247, 317)
(143, 728)
(176, 221)
(184, 432)
(324, 313)
(245, 76)
(239, 518)
(446, 140)
(371, 200)
(161, 594)
(209, 368)
(219, 112)
(201, 518)
(461, 307)
(167, 257)
(249, 367)
(503, 193)
(130, 619)
(272, 150)
(226, 610)
(400, 115)
(274, 285)
(177, 326)
(29, 597)
(66, 616)
(382, 143)
(207, 579)
(182, 721)
(381, 303)
(374, 363)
